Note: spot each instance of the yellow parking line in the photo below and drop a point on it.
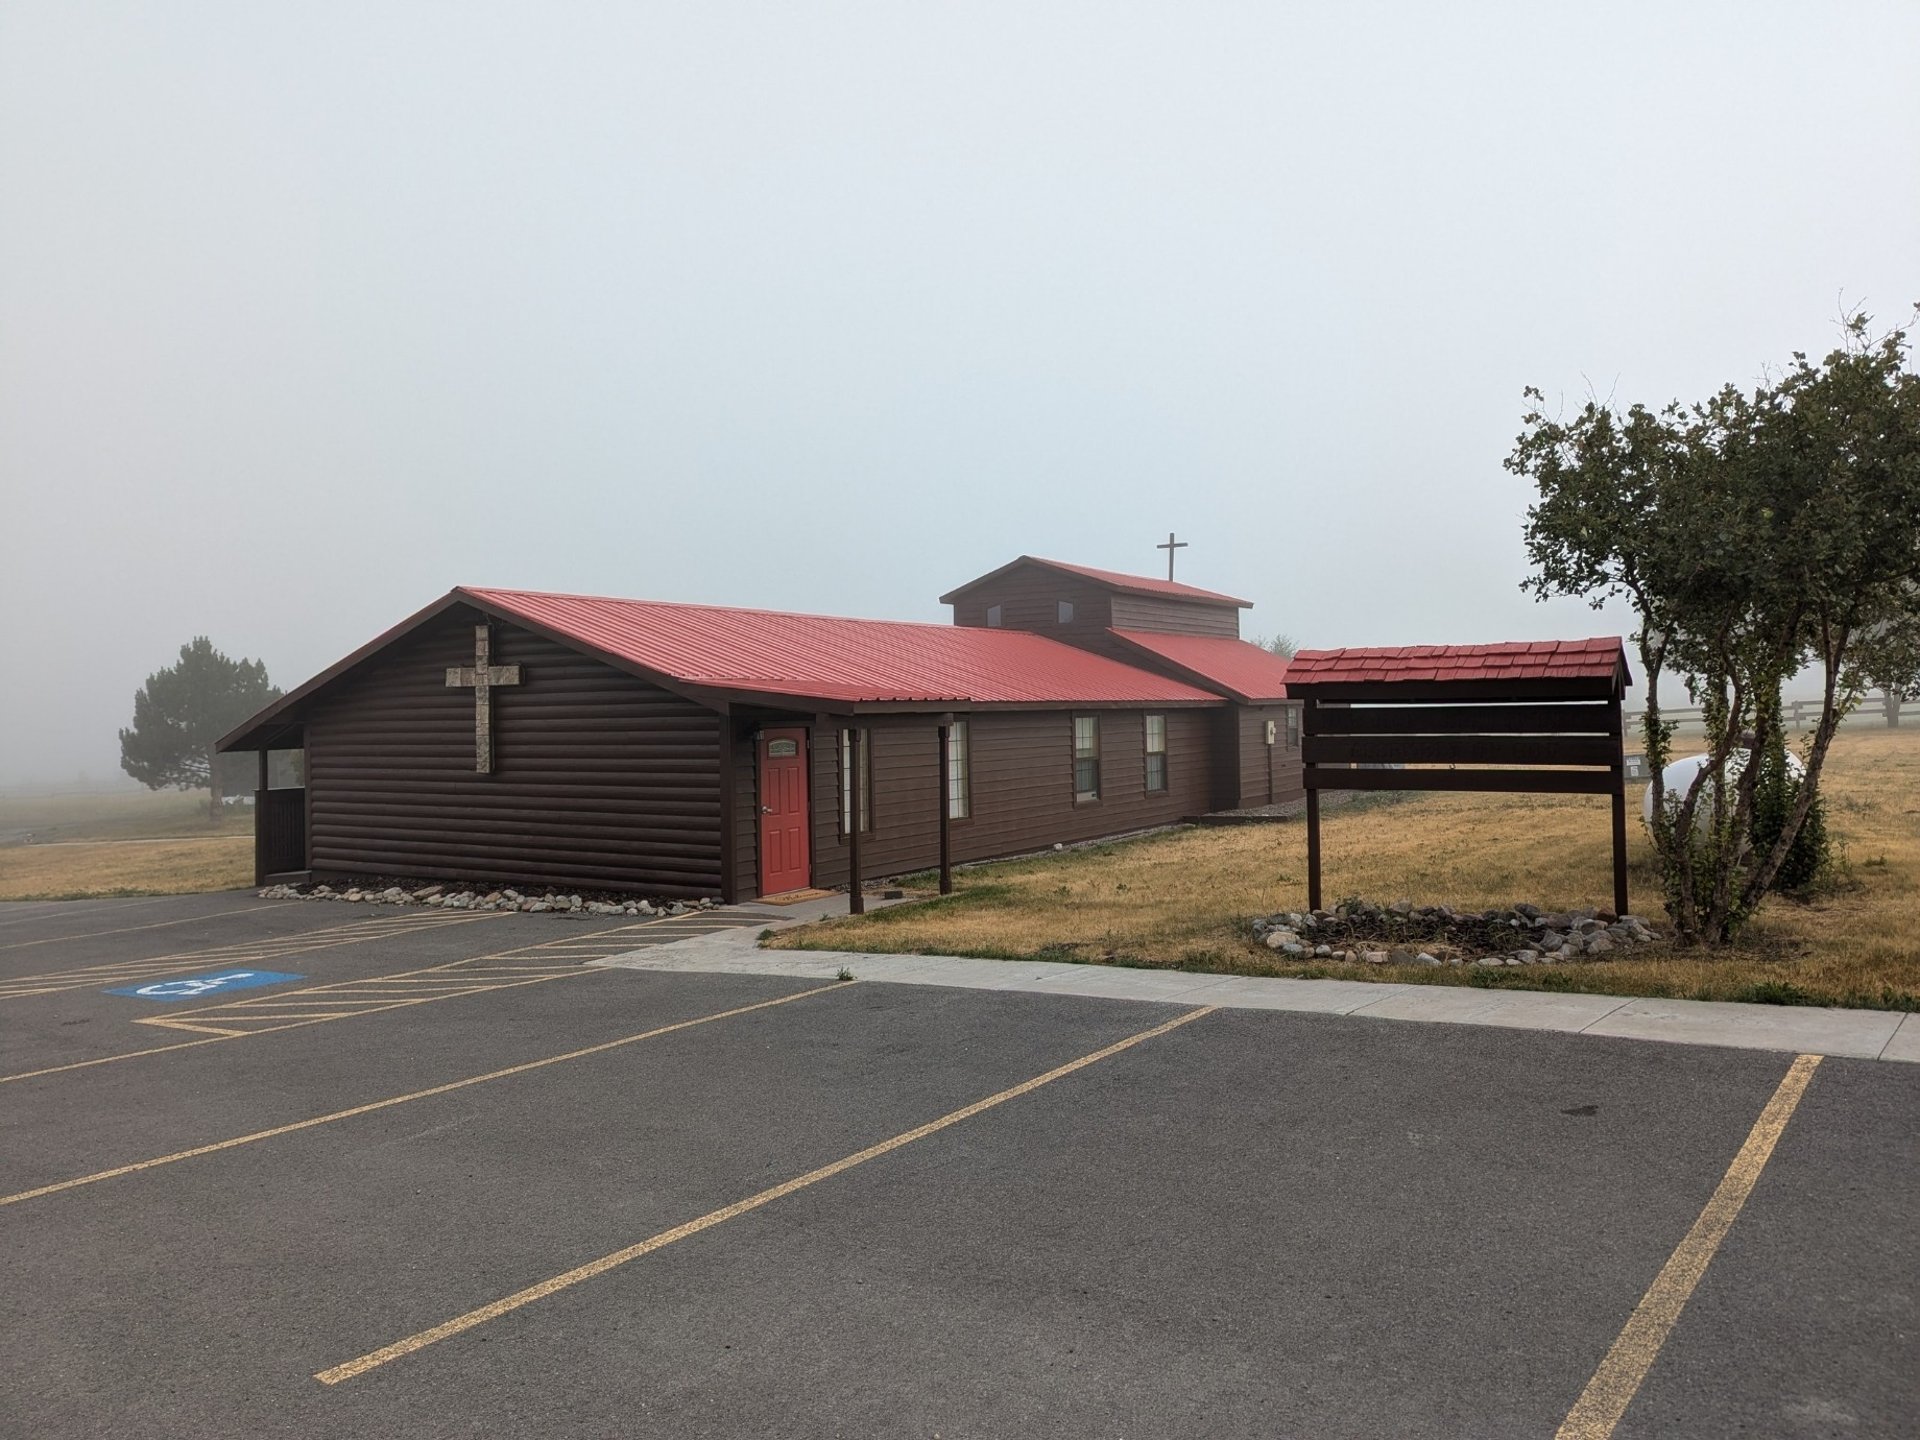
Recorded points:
(276, 1023)
(1617, 1381)
(445, 970)
(340, 991)
(109, 1059)
(289, 1011)
(381, 994)
(250, 952)
(228, 1032)
(412, 1095)
(14, 913)
(200, 1021)
(155, 925)
(373, 1359)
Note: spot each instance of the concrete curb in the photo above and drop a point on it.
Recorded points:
(1856, 1034)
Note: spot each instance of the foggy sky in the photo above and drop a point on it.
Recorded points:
(310, 313)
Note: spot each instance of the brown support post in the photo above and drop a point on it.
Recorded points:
(1619, 816)
(259, 824)
(729, 811)
(946, 809)
(1313, 849)
(1620, 845)
(856, 792)
(306, 804)
(1308, 718)
(1273, 745)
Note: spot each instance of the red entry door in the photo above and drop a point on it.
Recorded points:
(784, 855)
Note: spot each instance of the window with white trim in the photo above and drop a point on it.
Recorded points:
(846, 782)
(959, 772)
(1086, 757)
(1156, 752)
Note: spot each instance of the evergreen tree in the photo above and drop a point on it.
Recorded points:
(181, 711)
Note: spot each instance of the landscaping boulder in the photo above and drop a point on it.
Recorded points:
(1407, 934)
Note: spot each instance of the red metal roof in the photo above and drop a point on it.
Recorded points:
(771, 652)
(1145, 584)
(1241, 669)
(1594, 659)
(1131, 584)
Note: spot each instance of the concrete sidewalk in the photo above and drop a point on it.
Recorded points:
(1859, 1034)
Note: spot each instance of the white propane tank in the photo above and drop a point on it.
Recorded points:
(1679, 775)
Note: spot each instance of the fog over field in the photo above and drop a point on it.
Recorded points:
(310, 313)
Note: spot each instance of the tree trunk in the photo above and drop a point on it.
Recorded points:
(213, 789)
(1761, 877)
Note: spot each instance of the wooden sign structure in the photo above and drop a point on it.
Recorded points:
(1523, 718)
(482, 676)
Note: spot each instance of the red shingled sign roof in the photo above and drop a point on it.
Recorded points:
(771, 652)
(1593, 659)
(1237, 667)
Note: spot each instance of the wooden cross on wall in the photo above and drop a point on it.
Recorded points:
(1171, 546)
(482, 676)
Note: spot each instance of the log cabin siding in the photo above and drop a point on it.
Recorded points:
(744, 811)
(1257, 757)
(1267, 774)
(1226, 737)
(1022, 786)
(1029, 599)
(1289, 776)
(600, 779)
(1175, 617)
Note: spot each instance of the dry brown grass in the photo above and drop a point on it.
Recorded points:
(145, 843)
(117, 815)
(1183, 900)
(125, 867)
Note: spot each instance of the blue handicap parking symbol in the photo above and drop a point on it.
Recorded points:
(195, 987)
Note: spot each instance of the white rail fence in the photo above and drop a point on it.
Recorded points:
(1877, 709)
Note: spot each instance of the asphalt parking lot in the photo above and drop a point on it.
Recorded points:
(447, 1179)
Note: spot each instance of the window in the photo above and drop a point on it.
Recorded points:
(1156, 752)
(959, 772)
(1086, 757)
(846, 781)
(1293, 727)
(993, 616)
(1066, 612)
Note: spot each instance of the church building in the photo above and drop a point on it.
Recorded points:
(515, 737)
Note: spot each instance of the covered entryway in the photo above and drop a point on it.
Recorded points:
(280, 812)
(785, 860)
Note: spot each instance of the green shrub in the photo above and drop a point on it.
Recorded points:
(1812, 850)
(1773, 992)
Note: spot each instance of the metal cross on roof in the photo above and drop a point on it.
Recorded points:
(1171, 546)
(482, 676)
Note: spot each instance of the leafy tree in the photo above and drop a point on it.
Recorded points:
(1281, 645)
(181, 711)
(1890, 659)
(1754, 533)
